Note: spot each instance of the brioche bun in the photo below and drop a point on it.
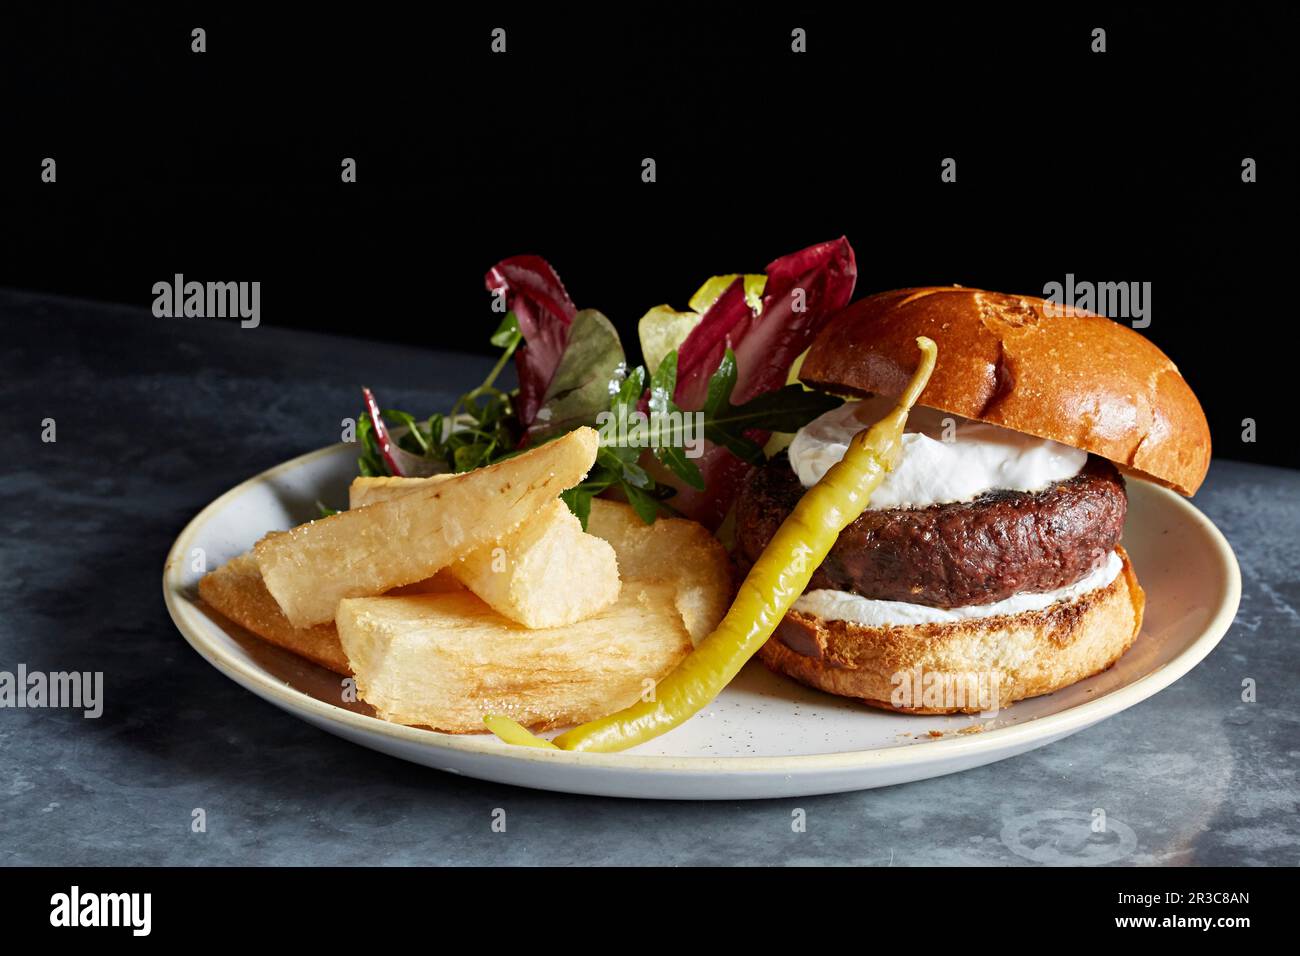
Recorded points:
(1031, 653)
(1025, 364)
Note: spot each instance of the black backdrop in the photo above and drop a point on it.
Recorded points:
(1122, 166)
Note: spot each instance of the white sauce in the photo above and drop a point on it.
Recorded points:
(973, 459)
(845, 606)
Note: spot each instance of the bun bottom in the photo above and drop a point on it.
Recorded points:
(964, 666)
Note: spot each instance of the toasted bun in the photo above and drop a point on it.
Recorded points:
(1015, 656)
(1073, 377)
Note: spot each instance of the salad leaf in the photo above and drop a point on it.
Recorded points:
(662, 330)
(729, 376)
(507, 336)
(479, 429)
(591, 366)
(544, 312)
(671, 449)
(802, 291)
(725, 424)
(379, 431)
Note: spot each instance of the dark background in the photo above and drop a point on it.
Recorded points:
(1123, 166)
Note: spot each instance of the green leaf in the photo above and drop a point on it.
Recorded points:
(412, 440)
(740, 446)
(579, 501)
(507, 335)
(669, 446)
(469, 457)
(629, 392)
(662, 384)
(675, 459)
(721, 384)
(580, 388)
(785, 410)
(623, 404)
(645, 505)
(663, 330)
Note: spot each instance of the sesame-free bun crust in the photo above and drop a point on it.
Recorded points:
(1021, 655)
(1072, 376)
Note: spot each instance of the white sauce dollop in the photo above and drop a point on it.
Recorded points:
(974, 459)
(846, 606)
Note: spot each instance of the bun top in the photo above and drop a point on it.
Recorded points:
(1025, 364)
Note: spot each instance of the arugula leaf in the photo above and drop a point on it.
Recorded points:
(785, 410)
(646, 505)
(717, 399)
(671, 453)
(578, 500)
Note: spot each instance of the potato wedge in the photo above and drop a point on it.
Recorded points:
(406, 539)
(446, 660)
(672, 549)
(545, 573)
(366, 490)
(236, 591)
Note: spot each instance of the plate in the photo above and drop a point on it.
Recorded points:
(764, 736)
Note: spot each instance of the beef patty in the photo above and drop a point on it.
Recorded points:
(975, 552)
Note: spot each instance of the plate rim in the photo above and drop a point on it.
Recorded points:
(188, 619)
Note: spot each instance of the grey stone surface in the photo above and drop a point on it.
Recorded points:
(156, 417)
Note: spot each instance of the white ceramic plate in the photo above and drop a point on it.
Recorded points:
(764, 736)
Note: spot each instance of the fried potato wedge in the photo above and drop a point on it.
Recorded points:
(673, 549)
(236, 591)
(367, 490)
(546, 573)
(676, 550)
(366, 552)
(446, 660)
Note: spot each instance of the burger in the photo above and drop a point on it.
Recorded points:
(988, 566)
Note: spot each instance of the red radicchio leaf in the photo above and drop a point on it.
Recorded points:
(386, 446)
(544, 310)
(765, 346)
(401, 463)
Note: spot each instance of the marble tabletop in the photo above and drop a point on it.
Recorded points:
(156, 417)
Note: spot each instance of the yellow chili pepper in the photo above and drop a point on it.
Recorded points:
(774, 583)
(513, 733)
